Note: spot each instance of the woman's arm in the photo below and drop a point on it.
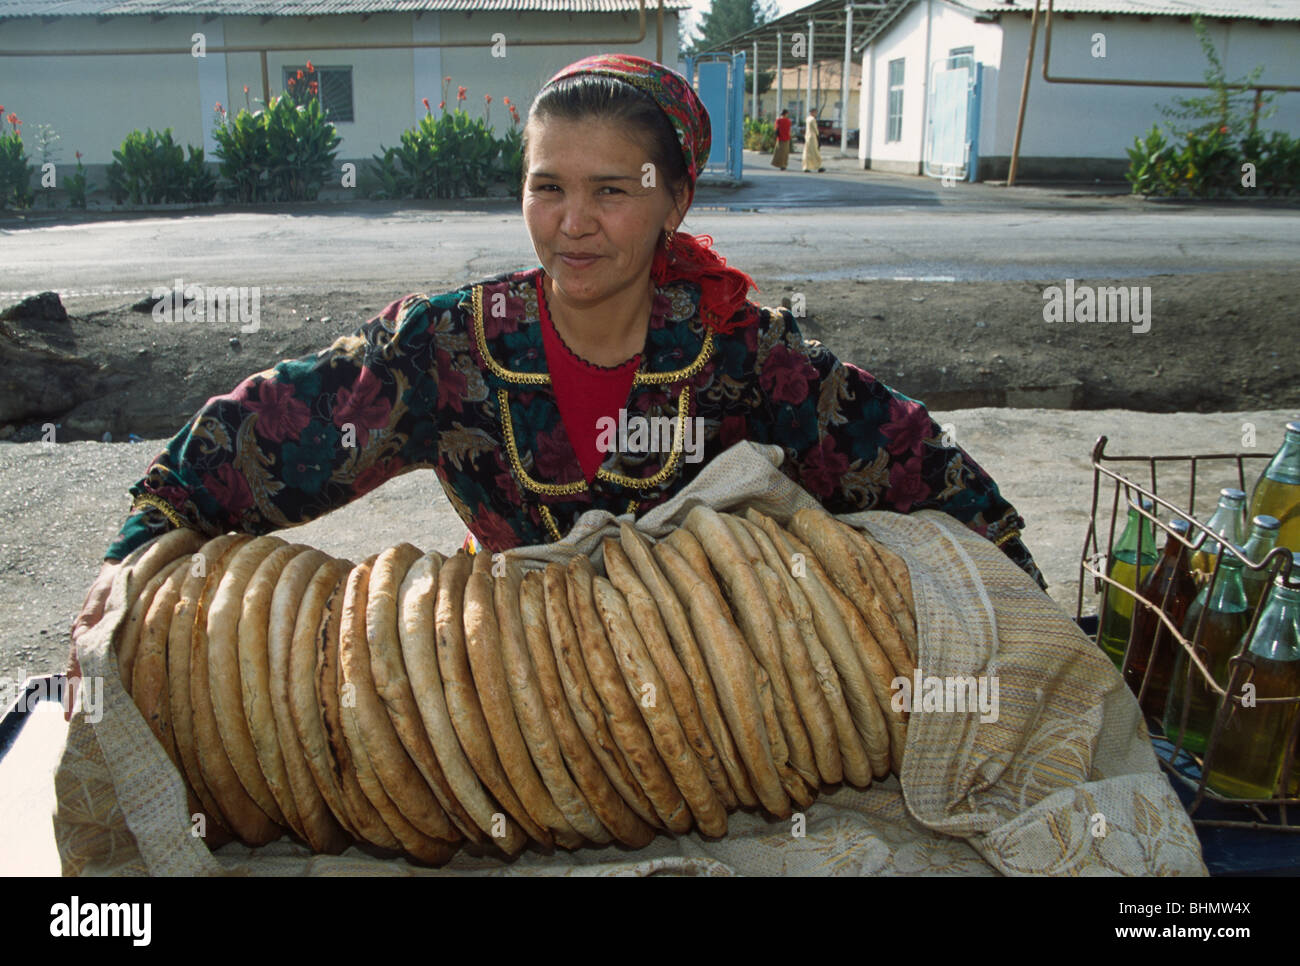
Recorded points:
(307, 436)
(856, 444)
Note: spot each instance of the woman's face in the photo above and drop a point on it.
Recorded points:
(593, 210)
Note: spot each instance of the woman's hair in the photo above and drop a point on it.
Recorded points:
(785, 112)
(597, 97)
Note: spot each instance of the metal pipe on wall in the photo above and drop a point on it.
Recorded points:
(848, 73)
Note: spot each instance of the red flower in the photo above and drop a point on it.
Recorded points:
(460, 93)
(299, 75)
(312, 88)
(823, 468)
(906, 488)
(78, 155)
(290, 81)
(229, 488)
(245, 88)
(310, 68)
(506, 101)
(441, 105)
(786, 375)
(363, 406)
(2, 110)
(218, 108)
(279, 415)
(368, 479)
(492, 530)
(1223, 130)
(452, 383)
(447, 79)
(908, 425)
(487, 98)
(425, 102)
(555, 458)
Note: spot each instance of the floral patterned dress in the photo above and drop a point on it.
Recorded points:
(458, 383)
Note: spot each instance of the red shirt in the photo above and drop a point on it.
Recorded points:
(584, 391)
(783, 129)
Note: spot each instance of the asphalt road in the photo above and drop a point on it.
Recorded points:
(843, 224)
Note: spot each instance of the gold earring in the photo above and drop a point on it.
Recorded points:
(668, 238)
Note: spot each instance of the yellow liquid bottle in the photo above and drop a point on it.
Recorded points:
(1277, 494)
(1247, 758)
(1129, 565)
(1226, 523)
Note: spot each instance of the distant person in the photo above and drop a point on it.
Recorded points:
(781, 156)
(812, 152)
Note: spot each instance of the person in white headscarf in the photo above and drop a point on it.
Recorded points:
(812, 154)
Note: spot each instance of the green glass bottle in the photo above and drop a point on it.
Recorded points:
(1228, 523)
(1277, 493)
(1126, 568)
(1227, 616)
(1248, 756)
(1262, 539)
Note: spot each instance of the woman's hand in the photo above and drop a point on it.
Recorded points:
(91, 612)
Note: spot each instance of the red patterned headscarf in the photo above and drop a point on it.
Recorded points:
(723, 289)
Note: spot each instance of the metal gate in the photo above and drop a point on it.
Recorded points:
(952, 127)
(721, 86)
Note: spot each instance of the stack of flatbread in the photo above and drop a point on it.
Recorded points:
(416, 704)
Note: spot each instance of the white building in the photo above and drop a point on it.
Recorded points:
(94, 100)
(1070, 130)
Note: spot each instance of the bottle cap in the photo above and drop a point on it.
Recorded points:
(1180, 526)
(1265, 522)
(1293, 427)
(1232, 493)
(1294, 582)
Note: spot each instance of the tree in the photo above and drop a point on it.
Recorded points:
(1227, 105)
(726, 19)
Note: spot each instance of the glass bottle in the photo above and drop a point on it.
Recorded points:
(1263, 538)
(1227, 616)
(1228, 523)
(1126, 569)
(1170, 587)
(1277, 493)
(1249, 753)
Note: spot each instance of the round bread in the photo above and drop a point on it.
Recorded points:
(362, 815)
(853, 754)
(417, 600)
(224, 619)
(530, 711)
(753, 613)
(596, 788)
(179, 641)
(581, 695)
(901, 580)
(384, 769)
(642, 679)
(625, 722)
(729, 662)
(842, 559)
(245, 818)
(845, 635)
(383, 634)
(693, 665)
(483, 646)
(142, 565)
(149, 676)
(320, 829)
(463, 702)
(306, 705)
(129, 637)
(255, 679)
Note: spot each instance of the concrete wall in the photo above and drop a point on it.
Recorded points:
(1071, 130)
(94, 102)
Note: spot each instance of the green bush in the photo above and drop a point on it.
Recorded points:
(77, 186)
(512, 161)
(760, 136)
(1211, 165)
(150, 168)
(245, 160)
(15, 172)
(283, 153)
(451, 157)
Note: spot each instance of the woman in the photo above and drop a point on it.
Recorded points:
(781, 156)
(812, 152)
(502, 386)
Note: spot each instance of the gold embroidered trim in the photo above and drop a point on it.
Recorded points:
(1009, 535)
(549, 520)
(161, 505)
(512, 450)
(578, 486)
(631, 507)
(544, 378)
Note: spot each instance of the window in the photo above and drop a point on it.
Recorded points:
(894, 130)
(960, 57)
(335, 90)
